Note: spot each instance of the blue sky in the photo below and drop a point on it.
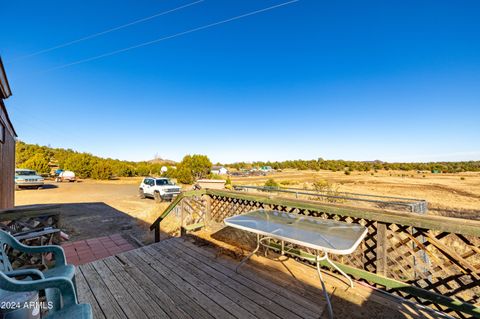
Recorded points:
(334, 79)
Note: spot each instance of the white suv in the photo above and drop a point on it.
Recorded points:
(158, 188)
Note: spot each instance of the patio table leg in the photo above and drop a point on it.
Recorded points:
(249, 255)
(339, 270)
(267, 248)
(325, 293)
(259, 242)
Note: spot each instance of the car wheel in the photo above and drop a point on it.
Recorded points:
(141, 194)
(157, 197)
(39, 187)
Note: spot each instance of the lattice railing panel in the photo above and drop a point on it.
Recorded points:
(195, 210)
(223, 207)
(445, 263)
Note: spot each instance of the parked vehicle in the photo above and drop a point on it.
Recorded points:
(27, 178)
(158, 188)
(68, 176)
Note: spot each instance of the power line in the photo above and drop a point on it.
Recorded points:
(88, 37)
(169, 37)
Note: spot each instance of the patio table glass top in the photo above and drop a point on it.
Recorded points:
(316, 233)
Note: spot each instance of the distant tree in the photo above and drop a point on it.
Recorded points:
(184, 175)
(80, 163)
(38, 162)
(170, 173)
(143, 169)
(193, 167)
(123, 170)
(101, 170)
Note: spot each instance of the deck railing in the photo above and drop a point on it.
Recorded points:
(432, 260)
(413, 205)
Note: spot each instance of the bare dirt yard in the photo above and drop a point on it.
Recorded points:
(98, 208)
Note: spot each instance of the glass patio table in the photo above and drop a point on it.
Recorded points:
(323, 236)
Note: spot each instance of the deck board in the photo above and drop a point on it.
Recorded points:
(277, 293)
(179, 279)
(171, 280)
(102, 294)
(147, 302)
(85, 295)
(127, 297)
(248, 288)
(172, 300)
(230, 299)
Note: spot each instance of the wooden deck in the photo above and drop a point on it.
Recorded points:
(177, 279)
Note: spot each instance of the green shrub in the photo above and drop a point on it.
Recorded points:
(287, 182)
(192, 168)
(101, 170)
(271, 183)
(80, 163)
(37, 162)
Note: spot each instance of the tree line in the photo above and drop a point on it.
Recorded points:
(341, 165)
(192, 167)
(44, 159)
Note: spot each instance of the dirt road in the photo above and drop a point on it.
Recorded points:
(92, 208)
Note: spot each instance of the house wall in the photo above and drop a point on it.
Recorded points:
(221, 171)
(7, 162)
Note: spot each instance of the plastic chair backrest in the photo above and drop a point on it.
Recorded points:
(5, 240)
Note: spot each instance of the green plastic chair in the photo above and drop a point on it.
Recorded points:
(60, 269)
(69, 309)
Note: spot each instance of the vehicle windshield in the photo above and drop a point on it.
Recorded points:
(25, 173)
(161, 182)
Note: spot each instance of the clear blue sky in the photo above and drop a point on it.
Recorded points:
(358, 80)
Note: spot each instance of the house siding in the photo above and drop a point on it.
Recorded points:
(7, 162)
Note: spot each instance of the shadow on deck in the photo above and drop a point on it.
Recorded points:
(176, 278)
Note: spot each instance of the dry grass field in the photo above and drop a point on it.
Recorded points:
(455, 195)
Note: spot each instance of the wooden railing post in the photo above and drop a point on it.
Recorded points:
(182, 218)
(381, 249)
(157, 232)
(208, 210)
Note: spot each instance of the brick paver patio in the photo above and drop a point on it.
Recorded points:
(85, 251)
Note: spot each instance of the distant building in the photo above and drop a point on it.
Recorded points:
(210, 183)
(7, 147)
(266, 169)
(219, 170)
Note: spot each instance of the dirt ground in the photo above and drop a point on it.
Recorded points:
(98, 208)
